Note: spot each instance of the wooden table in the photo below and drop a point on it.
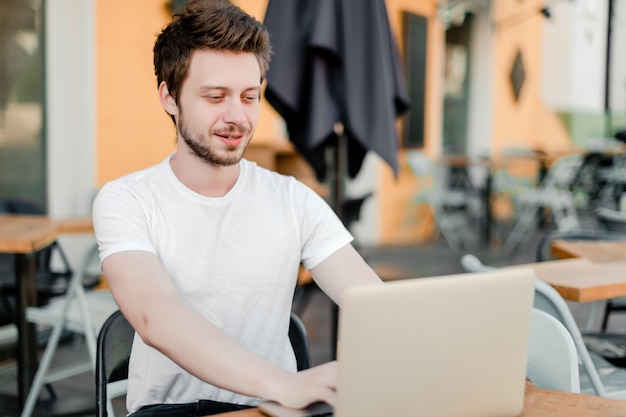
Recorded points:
(537, 403)
(594, 250)
(581, 280)
(24, 236)
(597, 251)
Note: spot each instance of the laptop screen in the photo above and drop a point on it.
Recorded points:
(438, 347)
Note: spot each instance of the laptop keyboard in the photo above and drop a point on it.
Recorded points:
(323, 414)
(319, 410)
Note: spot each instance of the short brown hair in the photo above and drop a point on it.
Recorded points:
(206, 24)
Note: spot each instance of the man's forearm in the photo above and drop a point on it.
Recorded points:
(210, 354)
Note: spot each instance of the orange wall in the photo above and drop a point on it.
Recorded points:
(401, 221)
(527, 121)
(133, 132)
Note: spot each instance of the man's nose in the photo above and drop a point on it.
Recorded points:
(235, 112)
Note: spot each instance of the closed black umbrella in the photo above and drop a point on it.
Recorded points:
(336, 77)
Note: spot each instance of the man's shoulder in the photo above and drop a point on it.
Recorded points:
(138, 177)
(137, 185)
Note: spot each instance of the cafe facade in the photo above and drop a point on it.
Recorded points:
(495, 74)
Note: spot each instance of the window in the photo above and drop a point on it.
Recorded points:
(415, 56)
(22, 161)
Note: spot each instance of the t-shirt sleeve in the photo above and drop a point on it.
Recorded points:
(322, 232)
(121, 220)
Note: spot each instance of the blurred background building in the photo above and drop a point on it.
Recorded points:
(79, 107)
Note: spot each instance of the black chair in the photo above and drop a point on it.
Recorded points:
(113, 353)
(299, 342)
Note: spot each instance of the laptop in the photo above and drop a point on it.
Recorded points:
(443, 346)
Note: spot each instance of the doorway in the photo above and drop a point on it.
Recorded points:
(456, 87)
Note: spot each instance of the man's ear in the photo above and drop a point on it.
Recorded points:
(167, 101)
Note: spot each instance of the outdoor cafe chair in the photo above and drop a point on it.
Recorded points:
(613, 182)
(544, 253)
(553, 193)
(114, 345)
(552, 357)
(550, 301)
(507, 185)
(611, 220)
(450, 206)
(80, 312)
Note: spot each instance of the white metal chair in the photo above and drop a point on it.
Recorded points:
(450, 207)
(471, 263)
(544, 253)
(612, 180)
(506, 184)
(611, 220)
(553, 193)
(78, 311)
(552, 358)
(550, 301)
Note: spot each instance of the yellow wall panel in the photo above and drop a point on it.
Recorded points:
(133, 132)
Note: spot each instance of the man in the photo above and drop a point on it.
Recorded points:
(202, 251)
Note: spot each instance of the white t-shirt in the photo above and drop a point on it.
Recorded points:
(234, 259)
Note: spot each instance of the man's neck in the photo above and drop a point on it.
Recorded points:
(202, 177)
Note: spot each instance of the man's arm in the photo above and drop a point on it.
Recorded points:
(148, 299)
(341, 270)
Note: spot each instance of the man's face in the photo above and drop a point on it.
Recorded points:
(218, 105)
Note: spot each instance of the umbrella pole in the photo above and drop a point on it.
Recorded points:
(339, 158)
(338, 163)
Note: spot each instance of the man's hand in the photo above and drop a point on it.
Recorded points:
(311, 385)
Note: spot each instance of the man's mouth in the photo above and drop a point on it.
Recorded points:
(231, 139)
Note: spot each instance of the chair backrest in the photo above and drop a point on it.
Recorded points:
(299, 342)
(562, 174)
(471, 263)
(552, 356)
(611, 220)
(116, 338)
(431, 177)
(547, 299)
(113, 353)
